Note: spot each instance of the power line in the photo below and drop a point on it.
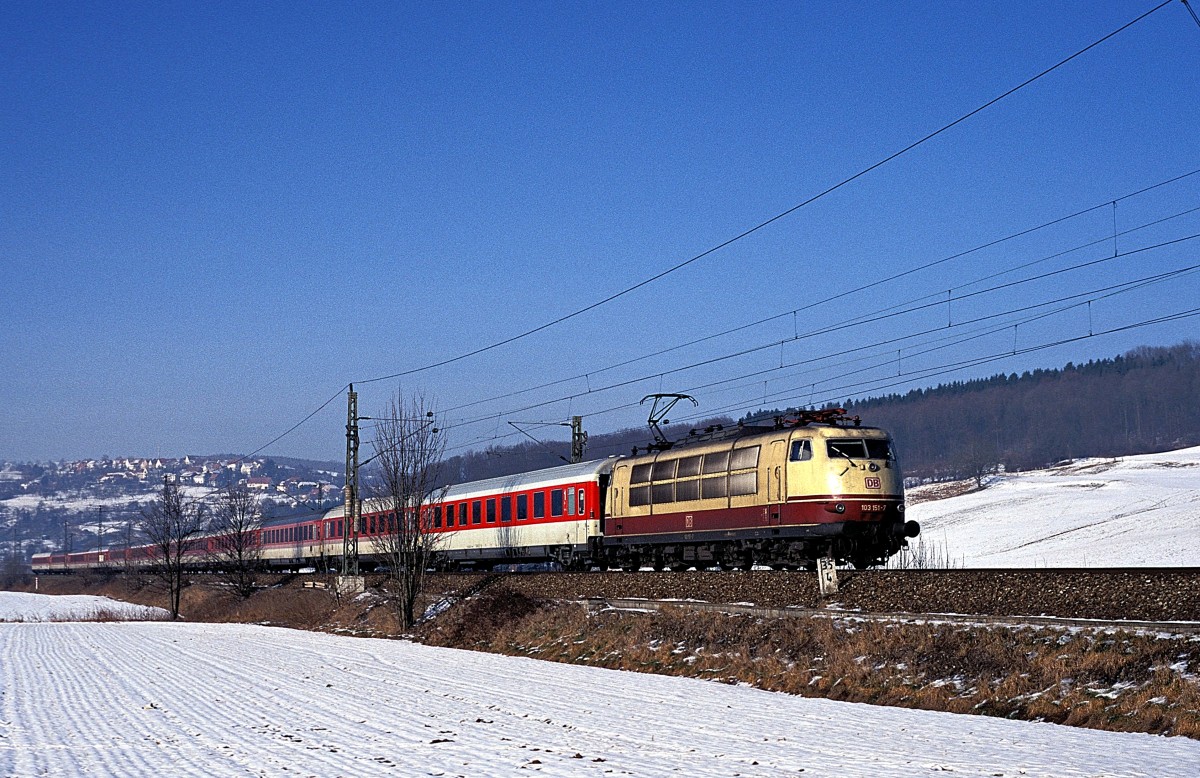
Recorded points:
(953, 366)
(864, 287)
(771, 220)
(1092, 295)
(869, 318)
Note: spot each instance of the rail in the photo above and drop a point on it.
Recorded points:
(633, 604)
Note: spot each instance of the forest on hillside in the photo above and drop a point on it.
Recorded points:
(1143, 401)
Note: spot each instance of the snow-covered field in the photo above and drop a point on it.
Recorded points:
(176, 699)
(1139, 510)
(21, 606)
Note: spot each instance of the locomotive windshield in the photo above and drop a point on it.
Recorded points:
(857, 448)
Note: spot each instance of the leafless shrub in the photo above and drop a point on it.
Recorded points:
(237, 547)
(924, 553)
(173, 524)
(408, 451)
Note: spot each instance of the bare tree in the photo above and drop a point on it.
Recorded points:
(405, 484)
(237, 545)
(173, 525)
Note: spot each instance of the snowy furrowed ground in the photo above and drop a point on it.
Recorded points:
(176, 699)
(21, 606)
(1128, 512)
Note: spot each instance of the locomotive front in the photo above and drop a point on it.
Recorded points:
(847, 483)
(782, 496)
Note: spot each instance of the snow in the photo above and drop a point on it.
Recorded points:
(179, 699)
(22, 606)
(1134, 511)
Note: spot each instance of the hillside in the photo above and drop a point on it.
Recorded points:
(1133, 511)
(1144, 401)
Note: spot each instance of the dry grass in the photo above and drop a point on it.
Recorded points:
(1102, 680)
(1091, 678)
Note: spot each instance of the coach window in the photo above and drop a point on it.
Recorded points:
(570, 502)
(437, 517)
(688, 467)
(801, 450)
(491, 511)
(476, 512)
(716, 462)
(743, 458)
(462, 514)
(581, 510)
(539, 505)
(664, 470)
(714, 487)
(556, 502)
(522, 507)
(687, 490)
(743, 483)
(506, 508)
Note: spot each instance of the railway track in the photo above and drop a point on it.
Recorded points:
(639, 605)
(1090, 594)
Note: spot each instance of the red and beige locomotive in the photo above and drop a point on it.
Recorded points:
(782, 496)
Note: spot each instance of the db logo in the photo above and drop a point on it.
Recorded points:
(873, 483)
(687, 520)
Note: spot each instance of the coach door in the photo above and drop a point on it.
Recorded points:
(776, 475)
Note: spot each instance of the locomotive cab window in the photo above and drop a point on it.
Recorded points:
(879, 449)
(846, 448)
(801, 451)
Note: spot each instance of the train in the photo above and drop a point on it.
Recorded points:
(782, 495)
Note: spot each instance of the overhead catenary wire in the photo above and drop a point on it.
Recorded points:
(763, 224)
(846, 324)
(864, 287)
(944, 369)
(1095, 294)
(734, 239)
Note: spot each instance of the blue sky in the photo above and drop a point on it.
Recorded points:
(216, 215)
